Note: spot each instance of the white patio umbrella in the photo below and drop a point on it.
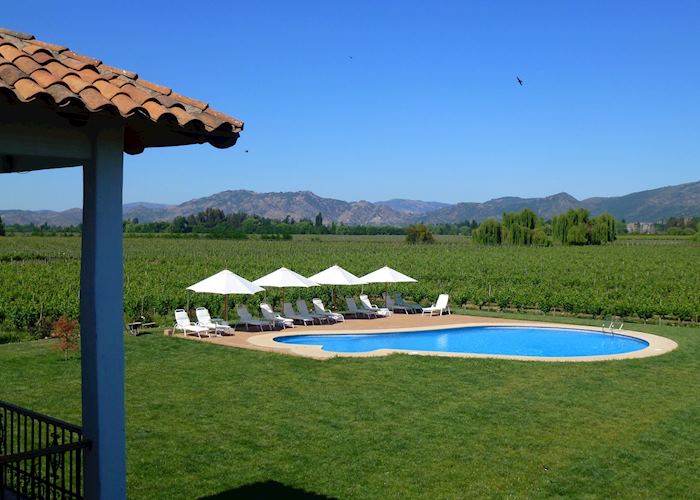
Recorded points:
(226, 283)
(284, 278)
(336, 275)
(387, 275)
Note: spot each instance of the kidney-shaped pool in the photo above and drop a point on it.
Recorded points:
(495, 340)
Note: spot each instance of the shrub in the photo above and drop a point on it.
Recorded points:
(419, 233)
(66, 331)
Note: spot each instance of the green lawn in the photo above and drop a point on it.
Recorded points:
(204, 420)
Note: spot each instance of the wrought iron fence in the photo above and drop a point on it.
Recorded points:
(40, 456)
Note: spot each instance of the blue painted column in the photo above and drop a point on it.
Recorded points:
(101, 317)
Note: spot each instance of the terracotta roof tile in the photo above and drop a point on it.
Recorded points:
(128, 74)
(27, 88)
(94, 100)
(45, 79)
(166, 100)
(82, 58)
(58, 69)
(10, 52)
(75, 83)
(156, 110)
(125, 104)
(201, 105)
(42, 57)
(107, 89)
(89, 75)
(155, 87)
(9, 73)
(134, 92)
(154, 115)
(75, 63)
(27, 64)
(50, 46)
(62, 94)
(32, 48)
(16, 34)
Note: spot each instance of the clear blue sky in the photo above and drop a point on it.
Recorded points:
(427, 107)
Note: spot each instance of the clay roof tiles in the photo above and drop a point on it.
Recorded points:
(154, 115)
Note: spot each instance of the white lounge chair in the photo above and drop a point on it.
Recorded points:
(182, 322)
(391, 305)
(248, 320)
(320, 309)
(304, 310)
(440, 306)
(219, 326)
(271, 315)
(289, 312)
(367, 305)
(356, 312)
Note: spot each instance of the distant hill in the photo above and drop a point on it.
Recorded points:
(298, 205)
(545, 207)
(649, 206)
(644, 206)
(412, 206)
(70, 217)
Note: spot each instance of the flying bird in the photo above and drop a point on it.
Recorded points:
(246, 150)
(519, 80)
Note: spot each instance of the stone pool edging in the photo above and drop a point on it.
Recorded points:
(657, 345)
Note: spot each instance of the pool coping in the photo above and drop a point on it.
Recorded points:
(658, 345)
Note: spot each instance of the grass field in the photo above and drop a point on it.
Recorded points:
(205, 420)
(632, 278)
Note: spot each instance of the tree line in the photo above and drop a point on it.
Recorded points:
(575, 227)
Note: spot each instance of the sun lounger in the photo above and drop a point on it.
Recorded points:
(304, 310)
(356, 311)
(247, 319)
(271, 315)
(440, 306)
(367, 305)
(289, 312)
(320, 309)
(182, 322)
(217, 324)
(410, 306)
(391, 305)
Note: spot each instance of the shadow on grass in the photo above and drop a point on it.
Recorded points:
(266, 490)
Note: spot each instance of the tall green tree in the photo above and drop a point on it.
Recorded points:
(489, 232)
(576, 227)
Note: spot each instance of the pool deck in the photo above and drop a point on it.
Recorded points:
(264, 341)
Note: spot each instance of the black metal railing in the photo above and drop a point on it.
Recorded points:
(40, 456)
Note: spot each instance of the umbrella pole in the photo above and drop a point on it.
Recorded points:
(226, 308)
(335, 305)
(282, 303)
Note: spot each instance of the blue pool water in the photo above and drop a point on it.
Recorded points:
(514, 341)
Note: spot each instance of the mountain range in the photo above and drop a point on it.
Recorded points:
(644, 206)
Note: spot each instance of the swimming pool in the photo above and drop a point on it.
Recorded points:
(495, 340)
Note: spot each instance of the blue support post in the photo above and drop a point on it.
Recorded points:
(101, 317)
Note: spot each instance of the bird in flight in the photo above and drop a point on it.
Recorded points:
(519, 80)
(246, 150)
